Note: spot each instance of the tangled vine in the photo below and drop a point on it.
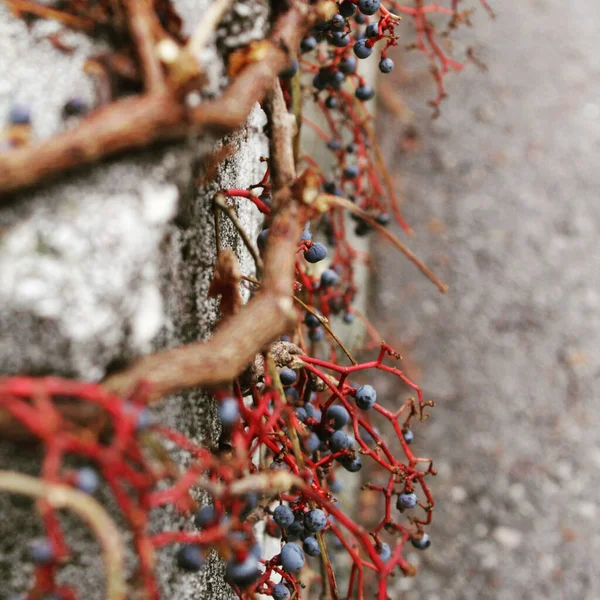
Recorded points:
(293, 414)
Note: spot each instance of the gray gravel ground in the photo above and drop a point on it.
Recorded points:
(502, 192)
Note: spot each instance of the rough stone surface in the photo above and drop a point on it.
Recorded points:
(110, 263)
(502, 191)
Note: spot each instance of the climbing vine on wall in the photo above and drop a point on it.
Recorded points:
(294, 403)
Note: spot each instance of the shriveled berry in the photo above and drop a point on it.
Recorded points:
(339, 415)
(328, 278)
(339, 441)
(368, 7)
(364, 92)
(87, 480)
(283, 516)
(311, 546)
(229, 412)
(386, 65)
(189, 558)
(41, 551)
(347, 8)
(406, 500)
(362, 49)
(353, 465)
(365, 397)
(421, 543)
(292, 558)
(308, 43)
(315, 520)
(280, 592)
(243, 573)
(316, 253)
(204, 516)
(287, 376)
(306, 235)
(384, 551)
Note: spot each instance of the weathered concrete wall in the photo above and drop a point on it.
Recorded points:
(111, 262)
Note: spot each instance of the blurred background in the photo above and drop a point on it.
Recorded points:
(502, 191)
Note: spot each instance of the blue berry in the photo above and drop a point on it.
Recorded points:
(312, 443)
(339, 415)
(19, 114)
(383, 219)
(406, 500)
(301, 414)
(290, 71)
(189, 558)
(333, 144)
(351, 172)
(311, 546)
(319, 82)
(287, 376)
(362, 50)
(144, 419)
(285, 338)
(365, 397)
(366, 436)
(421, 543)
(339, 441)
(313, 412)
(204, 516)
(360, 18)
(283, 516)
(335, 486)
(308, 43)
(74, 106)
(348, 65)
(261, 240)
(386, 65)
(368, 7)
(339, 39)
(351, 148)
(243, 573)
(337, 22)
(316, 253)
(280, 592)
(87, 480)
(331, 103)
(347, 8)
(315, 520)
(296, 529)
(291, 393)
(311, 321)
(292, 558)
(316, 335)
(353, 465)
(372, 30)
(256, 550)
(306, 234)
(229, 412)
(328, 278)
(41, 551)
(364, 92)
(409, 436)
(384, 552)
(348, 317)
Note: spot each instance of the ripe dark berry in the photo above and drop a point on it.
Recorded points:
(339, 39)
(204, 516)
(364, 92)
(347, 8)
(384, 552)
(339, 415)
(311, 321)
(353, 465)
(372, 30)
(308, 43)
(19, 115)
(383, 219)
(296, 529)
(243, 573)
(348, 65)
(301, 414)
(362, 50)
(335, 486)
(386, 65)
(331, 103)
(316, 335)
(229, 412)
(328, 278)
(316, 253)
(283, 516)
(291, 394)
(337, 78)
(311, 546)
(313, 412)
(312, 443)
(351, 172)
(87, 480)
(319, 82)
(189, 558)
(287, 376)
(337, 22)
(315, 520)
(41, 551)
(290, 71)
(292, 558)
(409, 436)
(261, 240)
(360, 18)
(368, 7)
(74, 106)
(280, 592)
(365, 397)
(348, 317)
(406, 500)
(421, 543)
(334, 144)
(351, 148)
(339, 441)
